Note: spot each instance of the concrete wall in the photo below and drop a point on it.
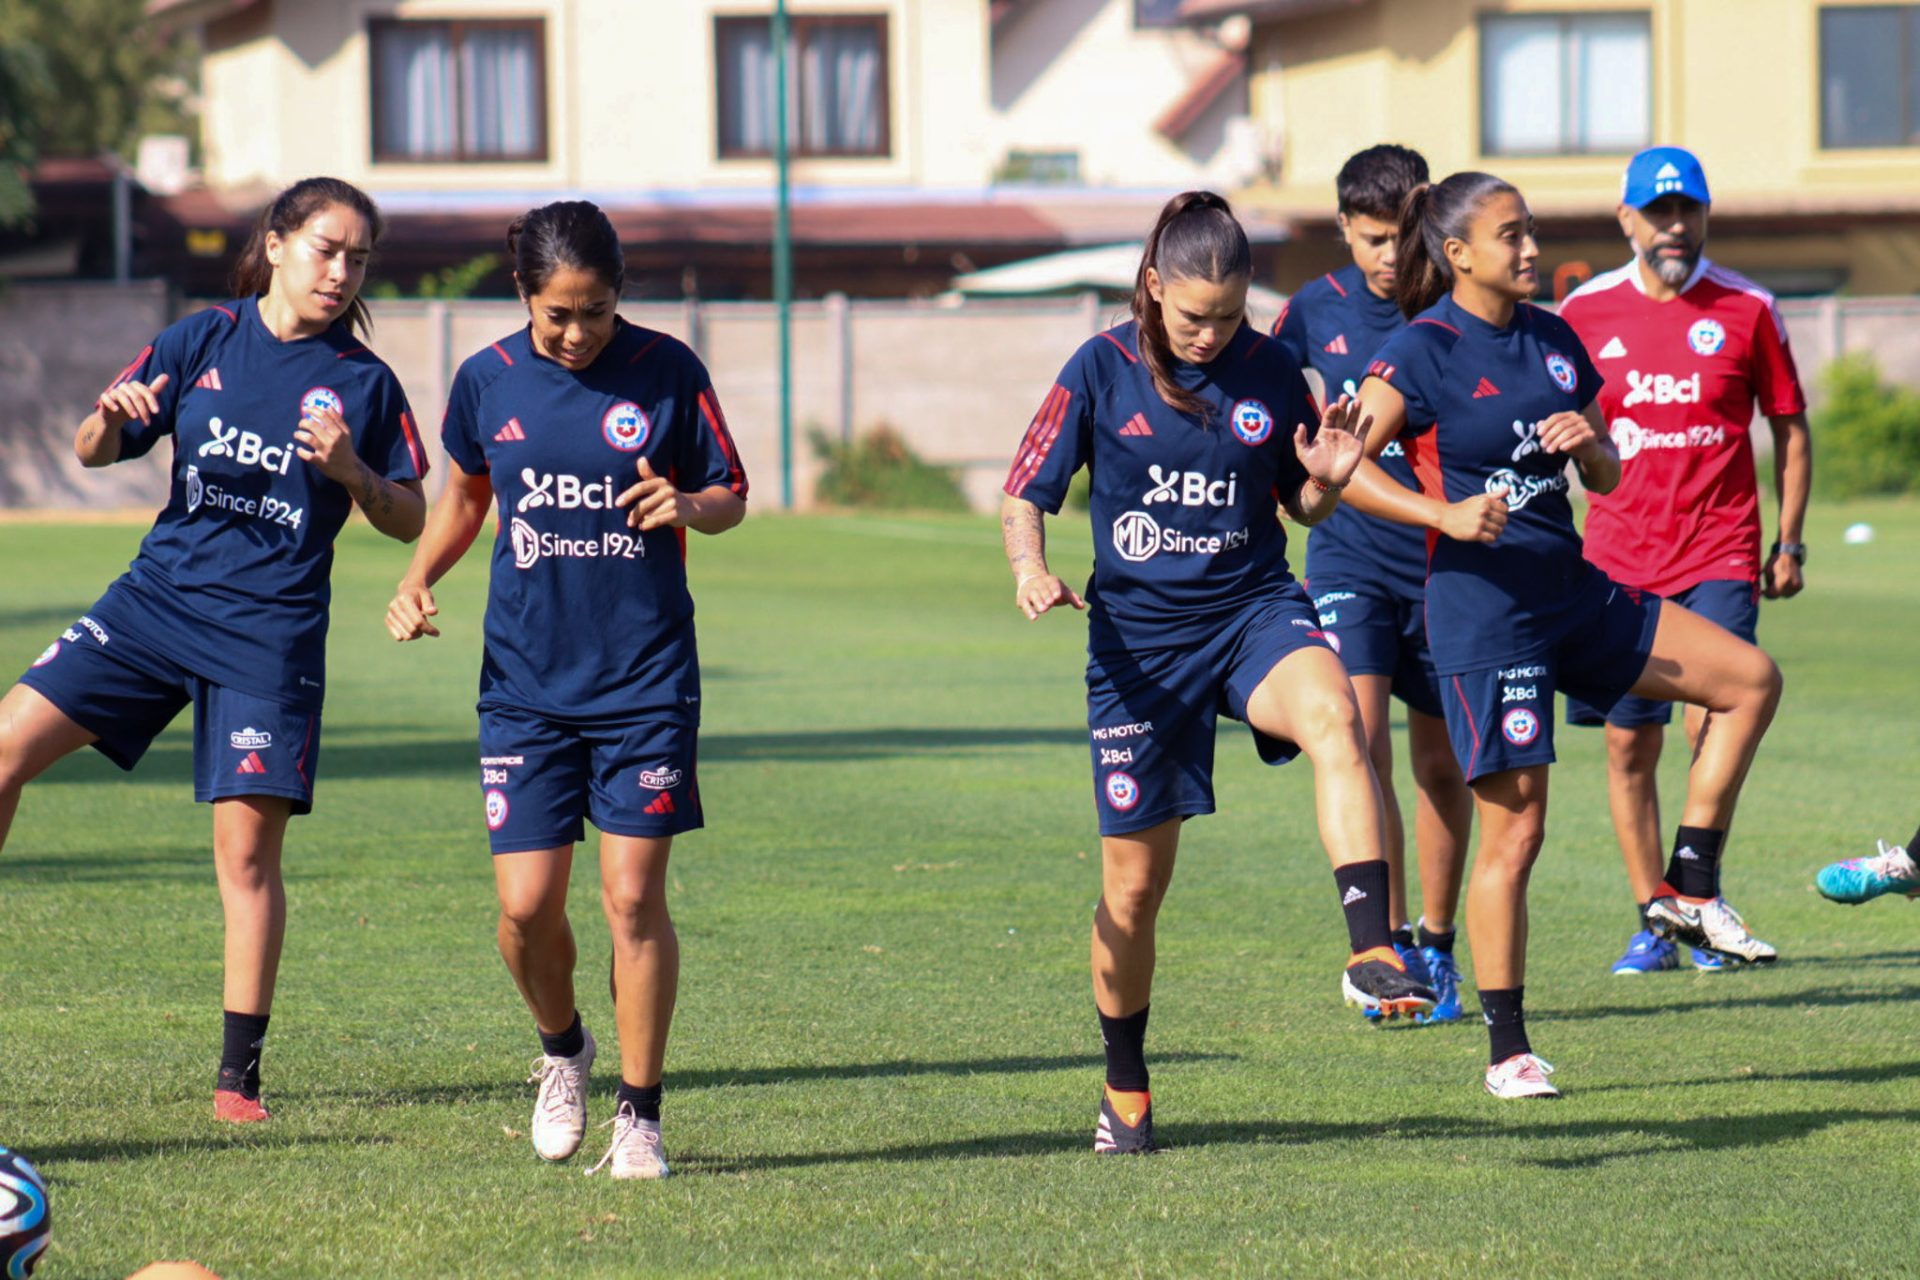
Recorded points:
(959, 382)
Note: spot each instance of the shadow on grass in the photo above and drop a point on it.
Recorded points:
(1822, 996)
(1879, 1073)
(728, 1078)
(170, 761)
(1854, 961)
(85, 1150)
(170, 862)
(1655, 1137)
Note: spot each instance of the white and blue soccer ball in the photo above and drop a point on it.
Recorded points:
(23, 1215)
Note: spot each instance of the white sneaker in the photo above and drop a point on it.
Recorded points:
(636, 1151)
(1712, 925)
(560, 1112)
(1521, 1076)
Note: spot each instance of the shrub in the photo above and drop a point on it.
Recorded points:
(881, 470)
(1866, 435)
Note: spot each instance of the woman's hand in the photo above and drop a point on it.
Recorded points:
(1334, 452)
(1480, 518)
(324, 439)
(1038, 592)
(409, 613)
(122, 404)
(656, 503)
(1569, 433)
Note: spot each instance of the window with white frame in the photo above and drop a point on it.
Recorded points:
(1870, 76)
(458, 91)
(837, 100)
(1565, 84)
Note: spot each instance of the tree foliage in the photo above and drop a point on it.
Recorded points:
(103, 76)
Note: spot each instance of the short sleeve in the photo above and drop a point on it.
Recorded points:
(1290, 331)
(1587, 379)
(391, 444)
(1776, 380)
(1059, 440)
(1301, 408)
(1409, 364)
(169, 353)
(705, 454)
(459, 428)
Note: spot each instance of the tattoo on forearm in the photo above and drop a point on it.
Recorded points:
(1025, 537)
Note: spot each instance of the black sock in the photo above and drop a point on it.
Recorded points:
(1643, 917)
(1437, 940)
(1694, 869)
(1506, 1022)
(242, 1036)
(645, 1102)
(1363, 896)
(1126, 1042)
(1403, 936)
(568, 1043)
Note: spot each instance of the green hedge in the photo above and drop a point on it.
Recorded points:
(880, 470)
(1866, 435)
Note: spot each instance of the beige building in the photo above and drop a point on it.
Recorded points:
(1802, 111)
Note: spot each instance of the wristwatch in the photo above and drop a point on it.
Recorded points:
(1798, 550)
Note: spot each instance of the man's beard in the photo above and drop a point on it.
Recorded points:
(1673, 271)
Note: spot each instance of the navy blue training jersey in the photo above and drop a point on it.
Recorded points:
(1476, 396)
(587, 619)
(232, 581)
(1185, 522)
(1336, 324)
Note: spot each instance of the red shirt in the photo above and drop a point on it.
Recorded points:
(1683, 377)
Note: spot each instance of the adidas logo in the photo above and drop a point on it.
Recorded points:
(511, 432)
(209, 381)
(252, 764)
(1484, 390)
(1354, 894)
(662, 804)
(1667, 171)
(1137, 426)
(1338, 346)
(1613, 350)
(1686, 854)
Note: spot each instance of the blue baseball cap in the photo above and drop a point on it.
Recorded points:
(1663, 171)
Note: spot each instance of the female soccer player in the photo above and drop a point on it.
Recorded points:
(281, 422)
(1183, 417)
(1369, 577)
(602, 443)
(1493, 397)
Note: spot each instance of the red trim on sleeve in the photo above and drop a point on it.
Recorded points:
(231, 316)
(1120, 346)
(1281, 318)
(350, 351)
(717, 421)
(1423, 455)
(502, 352)
(131, 369)
(1440, 324)
(642, 351)
(1336, 285)
(1035, 445)
(418, 454)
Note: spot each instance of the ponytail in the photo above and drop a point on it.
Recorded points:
(1433, 214)
(291, 210)
(1196, 237)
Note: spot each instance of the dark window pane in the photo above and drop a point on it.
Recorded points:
(414, 75)
(501, 74)
(840, 69)
(746, 87)
(1860, 71)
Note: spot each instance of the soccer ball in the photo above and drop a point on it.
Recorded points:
(23, 1215)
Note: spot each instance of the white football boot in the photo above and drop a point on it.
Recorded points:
(636, 1151)
(1521, 1076)
(1712, 925)
(560, 1112)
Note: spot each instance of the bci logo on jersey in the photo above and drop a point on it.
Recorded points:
(246, 448)
(320, 399)
(1706, 337)
(563, 492)
(1661, 388)
(1251, 422)
(1191, 488)
(626, 426)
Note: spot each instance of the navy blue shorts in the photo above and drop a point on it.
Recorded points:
(1733, 603)
(540, 778)
(1501, 717)
(1378, 633)
(125, 693)
(1151, 713)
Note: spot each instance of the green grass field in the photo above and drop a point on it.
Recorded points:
(885, 1059)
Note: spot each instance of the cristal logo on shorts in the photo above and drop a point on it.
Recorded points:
(250, 739)
(661, 779)
(1122, 791)
(496, 810)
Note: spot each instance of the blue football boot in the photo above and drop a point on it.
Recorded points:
(1444, 977)
(1647, 952)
